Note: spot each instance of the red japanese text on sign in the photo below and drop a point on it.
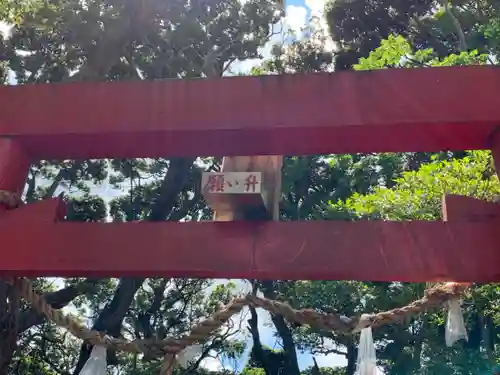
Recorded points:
(250, 183)
(215, 183)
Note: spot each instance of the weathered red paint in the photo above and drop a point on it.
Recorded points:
(392, 110)
(14, 165)
(387, 110)
(461, 208)
(495, 149)
(36, 244)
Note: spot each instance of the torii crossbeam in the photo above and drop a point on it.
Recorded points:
(429, 109)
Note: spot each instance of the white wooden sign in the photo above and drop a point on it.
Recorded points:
(231, 182)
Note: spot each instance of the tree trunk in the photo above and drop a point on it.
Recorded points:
(417, 347)
(291, 362)
(417, 356)
(9, 310)
(352, 353)
(486, 326)
(111, 317)
(258, 353)
(14, 322)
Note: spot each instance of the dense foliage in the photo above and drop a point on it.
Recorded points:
(109, 40)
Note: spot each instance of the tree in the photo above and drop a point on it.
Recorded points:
(70, 40)
(417, 196)
(358, 27)
(309, 182)
(107, 40)
(417, 346)
(306, 55)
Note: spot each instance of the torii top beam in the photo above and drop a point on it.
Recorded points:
(390, 110)
(374, 111)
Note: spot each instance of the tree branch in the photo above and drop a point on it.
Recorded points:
(456, 23)
(49, 193)
(258, 352)
(144, 319)
(56, 300)
(111, 317)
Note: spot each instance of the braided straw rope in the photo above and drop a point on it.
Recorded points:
(433, 298)
(9, 199)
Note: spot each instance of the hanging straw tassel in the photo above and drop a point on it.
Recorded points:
(367, 359)
(96, 364)
(455, 326)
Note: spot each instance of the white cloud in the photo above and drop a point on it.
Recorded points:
(330, 360)
(316, 7)
(5, 29)
(295, 19)
(317, 13)
(212, 364)
(246, 65)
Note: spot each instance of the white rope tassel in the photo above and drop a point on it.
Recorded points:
(367, 359)
(96, 364)
(455, 326)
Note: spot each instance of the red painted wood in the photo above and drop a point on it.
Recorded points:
(461, 208)
(14, 165)
(367, 250)
(495, 149)
(390, 110)
(386, 110)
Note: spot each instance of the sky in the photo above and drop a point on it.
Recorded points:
(268, 338)
(298, 14)
(266, 328)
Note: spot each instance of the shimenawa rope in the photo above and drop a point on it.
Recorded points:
(433, 298)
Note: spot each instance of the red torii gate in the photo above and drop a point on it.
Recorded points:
(427, 109)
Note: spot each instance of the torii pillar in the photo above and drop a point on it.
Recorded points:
(248, 188)
(14, 167)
